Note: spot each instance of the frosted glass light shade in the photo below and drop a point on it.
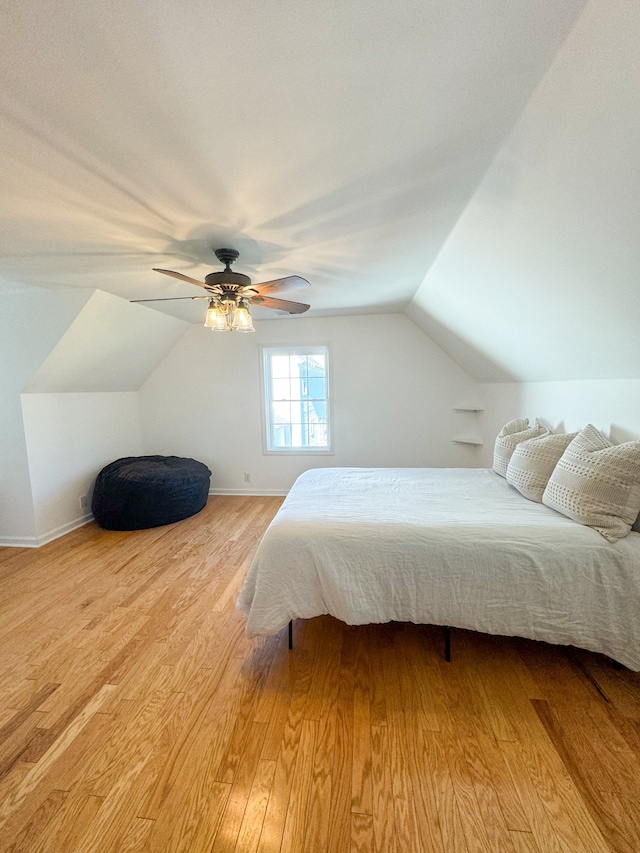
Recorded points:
(242, 319)
(216, 318)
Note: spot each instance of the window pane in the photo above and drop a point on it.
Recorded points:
(319, 411)
(297, 389)
(279, 366)
(282, 435)
(316, 389)
(299, 365)
(317, 364)
(298, 434)
(281, 389)
(318, 435)
(281, 413)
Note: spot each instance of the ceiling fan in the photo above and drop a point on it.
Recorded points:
(230, 293)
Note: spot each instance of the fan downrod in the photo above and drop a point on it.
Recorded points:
(226, 256)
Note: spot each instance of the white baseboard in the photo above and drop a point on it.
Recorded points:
(18, 542)
(57, 532)
(37, 541)
(264, 493)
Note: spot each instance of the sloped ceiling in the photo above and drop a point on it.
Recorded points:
(337, 140)
(540, 278)
(110, 346)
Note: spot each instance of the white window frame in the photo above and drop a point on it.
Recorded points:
(268, 448)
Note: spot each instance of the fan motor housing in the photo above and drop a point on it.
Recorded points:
(227, 256)
(226, 278)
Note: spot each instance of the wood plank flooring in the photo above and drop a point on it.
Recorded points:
(136, 716)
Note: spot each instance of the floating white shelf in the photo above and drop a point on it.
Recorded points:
(471, 424)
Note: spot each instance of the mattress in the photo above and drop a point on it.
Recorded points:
(440, 546)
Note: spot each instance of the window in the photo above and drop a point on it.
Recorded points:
(296, 395)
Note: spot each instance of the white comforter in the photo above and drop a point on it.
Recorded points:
(455, 547)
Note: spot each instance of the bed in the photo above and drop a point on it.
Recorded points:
(455, 547)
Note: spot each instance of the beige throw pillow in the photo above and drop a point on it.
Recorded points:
(509, 438)
(533, 461)
(597, 483)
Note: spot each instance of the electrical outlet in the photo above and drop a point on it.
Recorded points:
(83, 501)
(247, 478)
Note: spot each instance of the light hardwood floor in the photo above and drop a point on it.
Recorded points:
(136, 716)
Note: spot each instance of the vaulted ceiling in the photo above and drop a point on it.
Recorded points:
(365, 145)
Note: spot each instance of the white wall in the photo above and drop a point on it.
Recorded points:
(69, 438)
(613, 406)
(31, 323)
(63, 341)
(393, 393)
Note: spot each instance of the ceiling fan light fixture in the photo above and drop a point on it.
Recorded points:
(216, 318)
(231, 293)
(228, 316)
(242, 318)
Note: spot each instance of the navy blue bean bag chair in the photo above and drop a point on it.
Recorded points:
(137, 492)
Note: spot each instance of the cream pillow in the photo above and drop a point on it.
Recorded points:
(533, 461)
(509, 438)
(597, 483)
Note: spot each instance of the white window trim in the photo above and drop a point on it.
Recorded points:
(310, 349)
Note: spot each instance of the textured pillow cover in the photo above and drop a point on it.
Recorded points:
(533, 461)
(597, 483)
(509, 438)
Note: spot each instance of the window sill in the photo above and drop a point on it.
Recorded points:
(303, 451)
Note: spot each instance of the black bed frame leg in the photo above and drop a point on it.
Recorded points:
(447, 643)
(290, 633)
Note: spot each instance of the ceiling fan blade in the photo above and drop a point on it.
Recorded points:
(279, 304)
(181, 276)
(169, 298)
(279, 285)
